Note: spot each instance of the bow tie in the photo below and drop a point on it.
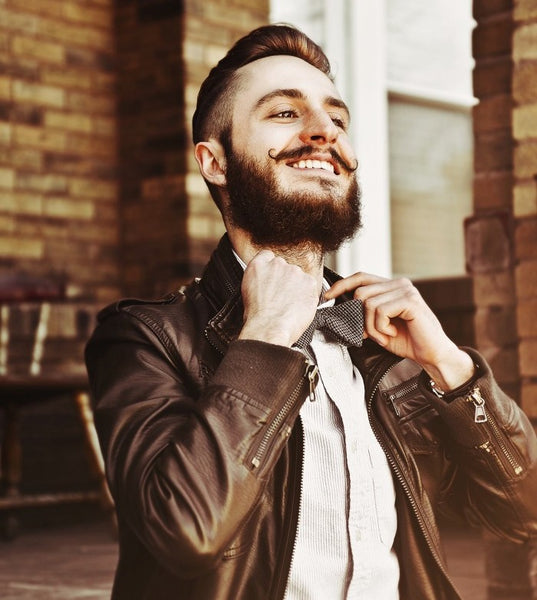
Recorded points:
(344, 322)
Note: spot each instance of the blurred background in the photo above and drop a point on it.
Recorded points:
(100, 198)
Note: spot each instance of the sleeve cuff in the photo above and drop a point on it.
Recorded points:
(265, 372)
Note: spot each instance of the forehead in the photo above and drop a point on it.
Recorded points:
(263, 76)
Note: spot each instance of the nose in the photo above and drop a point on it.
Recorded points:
(319, 129)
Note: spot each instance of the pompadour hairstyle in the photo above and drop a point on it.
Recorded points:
(213, 111)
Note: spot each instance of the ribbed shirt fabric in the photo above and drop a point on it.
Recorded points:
(347, 519)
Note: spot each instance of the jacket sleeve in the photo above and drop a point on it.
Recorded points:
(494, 451)
(186, 465)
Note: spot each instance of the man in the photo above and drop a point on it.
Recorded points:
(274, 431)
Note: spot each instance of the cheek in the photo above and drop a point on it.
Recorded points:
(347, 151)
(259, 141)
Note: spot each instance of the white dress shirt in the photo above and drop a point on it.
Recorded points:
(347, 519)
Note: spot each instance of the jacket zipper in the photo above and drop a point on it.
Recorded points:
(299, 511)
(400, 394)
(290, 527)
(403, 482)
(311, 374)
(482, 416)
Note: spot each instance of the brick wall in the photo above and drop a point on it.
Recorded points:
(210, 29)
(58, 190)
(108, 201)
(489, 232)
(99, 191)
(502, 234)
(525, 194)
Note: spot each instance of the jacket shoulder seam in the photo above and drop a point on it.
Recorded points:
(157, 330)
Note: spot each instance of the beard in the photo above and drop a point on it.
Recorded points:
(276, 218)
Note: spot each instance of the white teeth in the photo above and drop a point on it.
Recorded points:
(314, 164)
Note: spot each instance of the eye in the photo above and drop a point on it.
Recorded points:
(285, 114)
(339, 121)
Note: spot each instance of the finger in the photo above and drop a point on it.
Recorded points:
(380, 312)
(349, 284)
(379, 327)
(386, 286)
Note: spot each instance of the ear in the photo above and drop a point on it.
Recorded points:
(212, 162)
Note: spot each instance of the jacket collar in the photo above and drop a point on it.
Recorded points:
(221, 286)
(222, 276)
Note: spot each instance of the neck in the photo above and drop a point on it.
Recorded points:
(306, 256)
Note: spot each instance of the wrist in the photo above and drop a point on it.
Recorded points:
(268, 334)
(451, 372)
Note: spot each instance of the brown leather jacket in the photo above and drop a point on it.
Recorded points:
(203, 449)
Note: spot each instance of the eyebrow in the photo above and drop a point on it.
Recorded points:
(299, 95)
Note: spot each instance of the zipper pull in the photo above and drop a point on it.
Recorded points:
(480, 416)
(393, 399)
(312, 373)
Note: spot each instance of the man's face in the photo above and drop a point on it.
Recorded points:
(290, 169)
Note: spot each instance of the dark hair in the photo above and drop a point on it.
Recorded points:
(212, 116)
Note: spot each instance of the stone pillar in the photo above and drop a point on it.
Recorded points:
(152, 145)
(501, 235)
(165, 49)
(525, 195)
(525, 212)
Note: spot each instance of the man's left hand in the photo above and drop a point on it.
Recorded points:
(397, 318)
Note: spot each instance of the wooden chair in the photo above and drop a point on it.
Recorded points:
(38, 384)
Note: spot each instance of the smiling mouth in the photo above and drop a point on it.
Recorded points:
(324, 165)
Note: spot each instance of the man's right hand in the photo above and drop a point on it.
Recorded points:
(279, 299)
